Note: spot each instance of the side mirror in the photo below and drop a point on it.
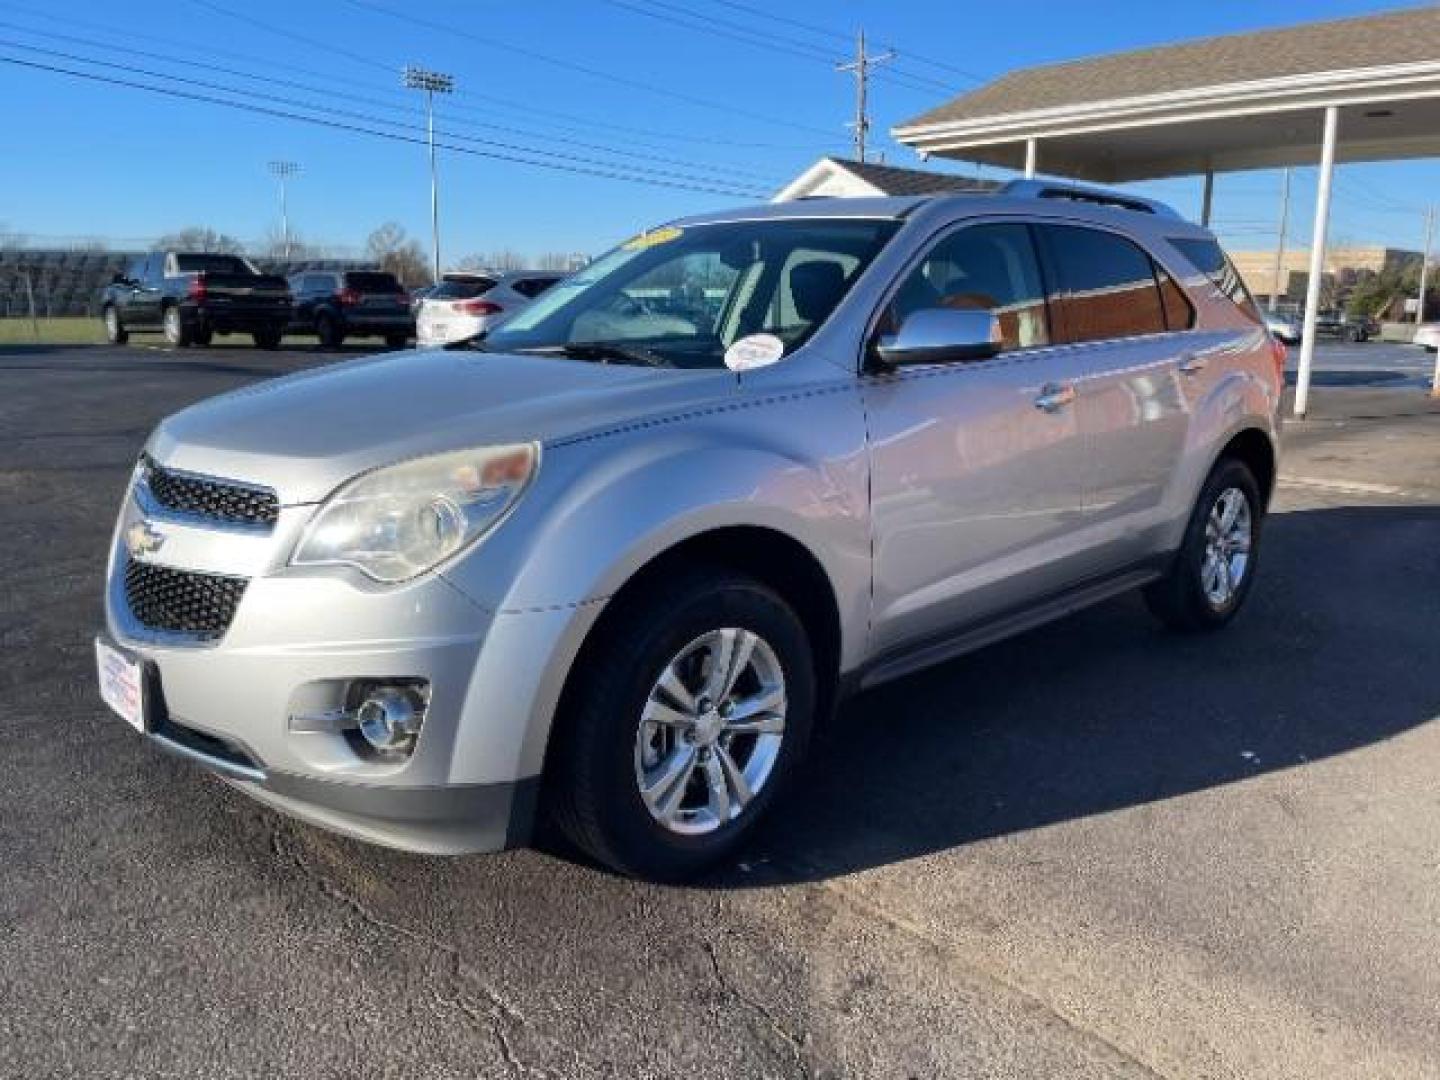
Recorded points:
(941, 335)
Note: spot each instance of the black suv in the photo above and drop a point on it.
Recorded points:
(334, 305)
(190, 296)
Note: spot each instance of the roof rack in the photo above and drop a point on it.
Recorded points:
(1049, 189)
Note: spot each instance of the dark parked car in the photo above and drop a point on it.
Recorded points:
(334, 305)
(190, 296)
(1345, 327)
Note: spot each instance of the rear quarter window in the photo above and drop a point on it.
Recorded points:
(1209, 259)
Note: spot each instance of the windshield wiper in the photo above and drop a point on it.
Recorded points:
(606, 352)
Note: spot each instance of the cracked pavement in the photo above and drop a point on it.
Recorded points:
(1093, 851)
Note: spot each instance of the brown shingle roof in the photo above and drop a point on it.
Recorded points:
(893, 180)
(1394, 37)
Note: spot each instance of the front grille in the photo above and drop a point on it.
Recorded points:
(220, 500)
(182, 601)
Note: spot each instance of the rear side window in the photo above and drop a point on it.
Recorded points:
(1101, 284)
(1210, 260)
(211, 264)
(370, 282)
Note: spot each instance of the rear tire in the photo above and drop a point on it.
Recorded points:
(177, 333)
(203, 338)
(1215, 567)
(397, 341)
(115, 332)
(268, 339)
(329, 331)
(608, 743)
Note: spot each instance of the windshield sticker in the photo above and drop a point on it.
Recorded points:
(755, 351)
(652, 238)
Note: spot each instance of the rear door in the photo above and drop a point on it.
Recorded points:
(145, 300)
(977, 467)
(1126, 329)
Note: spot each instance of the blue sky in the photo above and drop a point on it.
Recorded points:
(730, 100)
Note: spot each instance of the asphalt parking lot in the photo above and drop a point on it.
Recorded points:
(1095, 850)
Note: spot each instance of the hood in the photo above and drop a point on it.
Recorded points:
(305, 434)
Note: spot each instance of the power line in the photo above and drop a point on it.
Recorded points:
(790, 46)
(373, 102)
(828, 31)
(530, 110)
(412, 19)
(609, 173)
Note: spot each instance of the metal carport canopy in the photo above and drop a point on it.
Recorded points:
(1362, 89)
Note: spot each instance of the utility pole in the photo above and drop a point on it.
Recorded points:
(1425, 264)
(283, 170)
(432, 82)
(861, 66)
(1280, 242)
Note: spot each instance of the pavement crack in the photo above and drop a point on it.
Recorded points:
(496, 1016)
(795, 1045)
(1101, 1044)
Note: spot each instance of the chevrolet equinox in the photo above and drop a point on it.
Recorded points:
(613, 562)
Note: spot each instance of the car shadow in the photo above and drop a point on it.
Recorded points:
(1105, 710)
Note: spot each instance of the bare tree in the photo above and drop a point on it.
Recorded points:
(275, 245)
(393, 250)
(199, 238)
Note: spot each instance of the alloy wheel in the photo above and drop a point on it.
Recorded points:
(710, 731)
(1228, 537)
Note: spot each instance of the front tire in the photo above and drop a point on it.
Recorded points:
(686, 717)
(397, 341)
(177, 334)
(1215, 568)
(115, 332)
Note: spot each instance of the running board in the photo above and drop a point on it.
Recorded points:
(910, 660)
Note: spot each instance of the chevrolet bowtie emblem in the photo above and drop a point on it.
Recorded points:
(141, 540)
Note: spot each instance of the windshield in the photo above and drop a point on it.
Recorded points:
(682, 297)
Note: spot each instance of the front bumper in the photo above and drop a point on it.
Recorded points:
(294, 648)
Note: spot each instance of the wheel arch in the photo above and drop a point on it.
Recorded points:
(1253, 447)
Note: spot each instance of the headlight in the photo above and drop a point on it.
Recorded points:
(398, 522)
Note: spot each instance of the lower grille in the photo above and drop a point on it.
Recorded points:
(182, 601)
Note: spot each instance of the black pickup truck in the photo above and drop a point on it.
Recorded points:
(190, 296)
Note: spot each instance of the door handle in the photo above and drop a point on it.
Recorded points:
(1192, 365)
(1054, 397)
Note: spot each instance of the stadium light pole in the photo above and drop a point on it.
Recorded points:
(432, 82)
(283, 170)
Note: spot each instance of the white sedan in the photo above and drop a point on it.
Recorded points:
(1428, 335)
(465, 305)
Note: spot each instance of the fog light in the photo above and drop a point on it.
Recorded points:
(389, 719)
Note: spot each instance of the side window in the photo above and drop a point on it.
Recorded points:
(1211, 261)
(981, 267)
(1179, 312)
(136, 270)
(1102, 285)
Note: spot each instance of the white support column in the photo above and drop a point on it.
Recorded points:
(1031, 152)
(1317, 259)
(1207, 197)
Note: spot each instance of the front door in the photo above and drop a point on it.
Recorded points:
(977, 467)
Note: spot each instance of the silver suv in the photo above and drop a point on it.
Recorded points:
(615, 562)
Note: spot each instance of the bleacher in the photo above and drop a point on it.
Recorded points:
(69, 283)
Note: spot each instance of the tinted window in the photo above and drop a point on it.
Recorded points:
(533, 287)
(1179, 312)
(1102, 285)
(211, 264)
(985, 267)
(461, 290)
(370, 282)
(1209, 259)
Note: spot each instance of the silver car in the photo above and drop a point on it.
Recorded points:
(464, 304)
(615, 564)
